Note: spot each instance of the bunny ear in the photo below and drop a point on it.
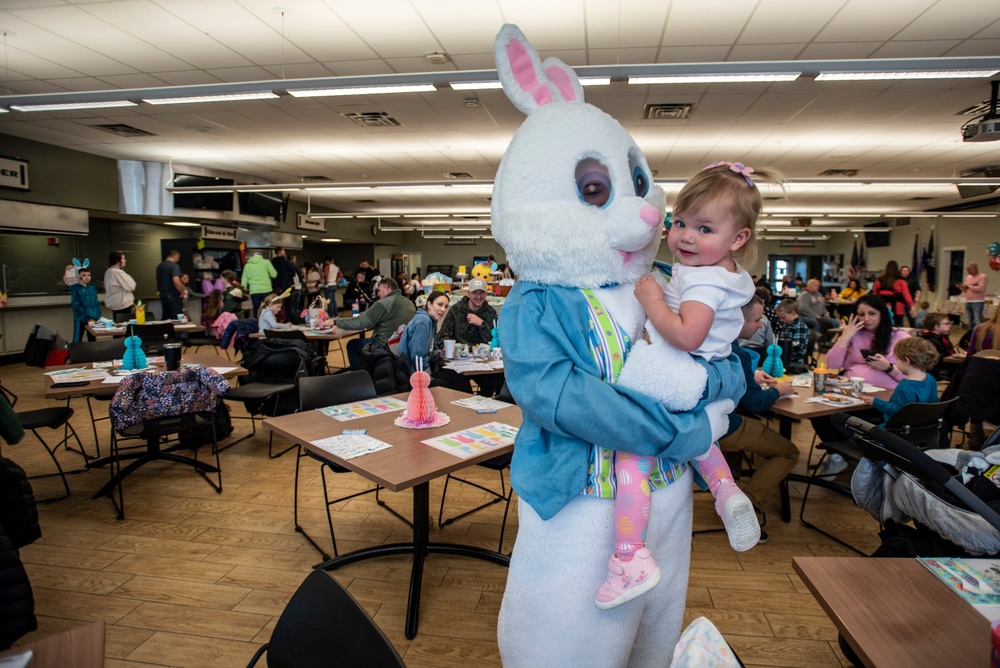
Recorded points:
(86, 262)
(76, 263)
(527, 81)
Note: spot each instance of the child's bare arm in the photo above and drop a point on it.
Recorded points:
(685, 330)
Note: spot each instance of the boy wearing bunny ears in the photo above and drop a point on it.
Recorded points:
(578, 215)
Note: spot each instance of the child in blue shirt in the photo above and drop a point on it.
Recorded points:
(913, 357)
(86, 308)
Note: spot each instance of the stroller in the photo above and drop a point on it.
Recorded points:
(951, 495)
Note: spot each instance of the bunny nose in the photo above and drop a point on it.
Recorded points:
(650, 215)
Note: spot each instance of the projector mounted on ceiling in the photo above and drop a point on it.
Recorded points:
(987, 126)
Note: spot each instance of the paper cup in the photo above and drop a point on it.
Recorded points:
(449, 348)
(857, 385)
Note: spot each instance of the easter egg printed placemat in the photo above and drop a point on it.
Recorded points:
(366, 408)
(475, 440)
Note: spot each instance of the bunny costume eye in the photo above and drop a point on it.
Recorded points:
(593, 183)
(640, 179)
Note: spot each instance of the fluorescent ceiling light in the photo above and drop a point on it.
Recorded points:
(595, 81)
(180, 223)
(231, 97)
(877, 76)
(330, 240)
(73, 105)
(363, 90)
(4, 111)
(476, 85)
(714, 78)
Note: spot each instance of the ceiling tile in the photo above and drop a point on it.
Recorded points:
(950, 19)
(686, 24)
(863, 20)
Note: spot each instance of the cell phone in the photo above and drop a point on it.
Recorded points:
(71, 383)
(866, 353)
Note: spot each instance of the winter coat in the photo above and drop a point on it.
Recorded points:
(257, 275)
(84, 301)
(455, 325)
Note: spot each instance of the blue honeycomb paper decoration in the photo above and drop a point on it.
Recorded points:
(135, 357)
(772, 363)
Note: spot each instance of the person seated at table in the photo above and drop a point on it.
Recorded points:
(812, 309)
(384, 317)
(794, 334)
(471, 321)
(914, 356)
(418, 343)
(774, 455)
(864, 349)
(86, 308)
(763, 336)
(270, 307)
(936, 327)
(233, 296)
(357, 291)
(212, 309)
(852, 292)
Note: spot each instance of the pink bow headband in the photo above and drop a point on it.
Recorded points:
(737, 167)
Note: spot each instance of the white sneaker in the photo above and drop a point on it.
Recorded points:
(740, 520)
(833, 465)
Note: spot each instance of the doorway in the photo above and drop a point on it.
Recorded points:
(955, 268)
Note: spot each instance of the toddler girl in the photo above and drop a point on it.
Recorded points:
(699, 312)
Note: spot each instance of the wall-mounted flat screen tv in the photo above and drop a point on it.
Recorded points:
(271, 205)
(877, 238)
(211, 201)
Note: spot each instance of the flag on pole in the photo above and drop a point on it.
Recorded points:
(915, 266)
(862, 264)
(929, 263)
(854, 273)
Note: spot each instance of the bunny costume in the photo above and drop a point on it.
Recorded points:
(566, 328)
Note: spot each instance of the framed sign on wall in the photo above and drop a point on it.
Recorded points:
(14, 173)
(304, 222)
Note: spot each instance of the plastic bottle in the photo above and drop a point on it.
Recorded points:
(355, 309)
(819, 378)
(140, 313)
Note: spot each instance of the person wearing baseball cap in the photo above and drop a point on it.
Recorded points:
(471, 321)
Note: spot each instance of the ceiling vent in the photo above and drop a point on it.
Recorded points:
(666, 112)
(802, 222)
(123, 130)
(839, 172)
(364, 201)
(373, 119)
(458, 175)
(316, 177)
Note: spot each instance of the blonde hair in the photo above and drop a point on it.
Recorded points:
(916, 352)
(993, 324)
(721, 182)
(787, 306)
(268, 302)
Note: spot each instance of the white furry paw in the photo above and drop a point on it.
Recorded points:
(718, 416)
(668, 375)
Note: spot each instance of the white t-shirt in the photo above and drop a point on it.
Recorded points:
(724, 291)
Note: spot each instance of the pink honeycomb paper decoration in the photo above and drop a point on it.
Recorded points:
(420, 407)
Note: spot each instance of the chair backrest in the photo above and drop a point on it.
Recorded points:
(287, 334)
(505, 395)
(920, 423)
(154, 335)
(341, 388)
(96, 351)
(323, 626)
(979, 390)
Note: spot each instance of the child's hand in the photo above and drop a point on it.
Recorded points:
(647, 291)
(866, 399)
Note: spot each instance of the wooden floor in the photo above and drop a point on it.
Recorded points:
(197, 579)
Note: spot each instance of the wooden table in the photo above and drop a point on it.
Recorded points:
(317, 334)
(794, 408)
(895, 612)
(179, 328)
(82, 647)
(409, 464)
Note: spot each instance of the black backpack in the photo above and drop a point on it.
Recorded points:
(389, 371)
(258, 360)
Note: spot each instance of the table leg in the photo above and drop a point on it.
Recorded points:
(785, 429)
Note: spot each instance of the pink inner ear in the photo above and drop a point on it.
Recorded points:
(524, 73)
(560, 78)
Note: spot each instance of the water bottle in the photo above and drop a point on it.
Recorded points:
(355, 309)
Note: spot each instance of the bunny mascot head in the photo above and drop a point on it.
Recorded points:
(576, 211)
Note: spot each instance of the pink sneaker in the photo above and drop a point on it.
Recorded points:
(738, 516)
(628, 579)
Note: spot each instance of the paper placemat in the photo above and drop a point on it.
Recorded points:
(475, 440)
(349, 446)
(360, 409)
(482, 403)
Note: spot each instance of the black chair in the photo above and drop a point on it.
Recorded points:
(918, 424)
(193, 418)
(499, 464)
(298, 335)
(280, 369)
(319, 392)
(96, 351)
(323, 626)
(53, 418)
(154, 336)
